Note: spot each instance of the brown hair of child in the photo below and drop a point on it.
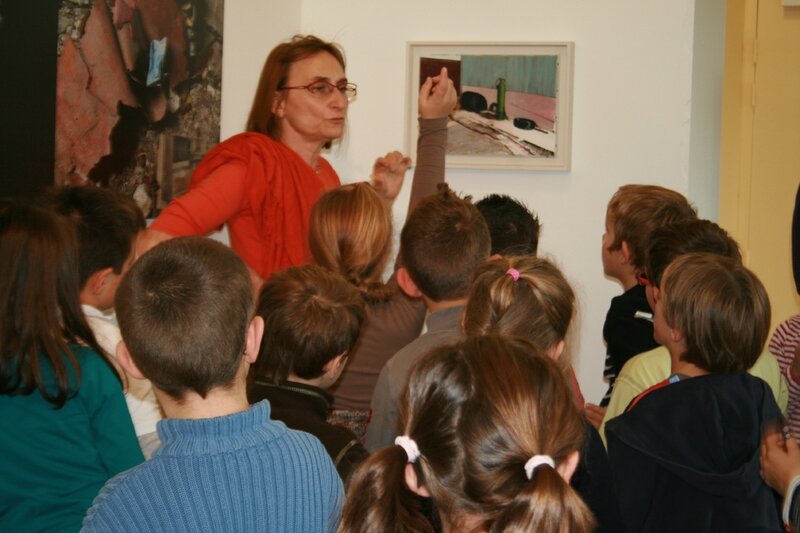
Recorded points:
(636, 210)
(40, 313)
(444, 241)
(183, 309)
(351, 234)
(522, 296)
(720, 308)
(477, 411)
(684, 237)
(311, 315)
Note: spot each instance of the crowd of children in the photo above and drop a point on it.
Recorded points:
(476, 424)
(162, 392)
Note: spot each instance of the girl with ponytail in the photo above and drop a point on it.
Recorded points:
(528, 297)
(490, 439)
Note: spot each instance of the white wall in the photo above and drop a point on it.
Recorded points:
(631, 110)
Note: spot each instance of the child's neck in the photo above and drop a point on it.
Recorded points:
(679, 366)
(628, 280)
(218, 402)
(320, 382)
(444, 304)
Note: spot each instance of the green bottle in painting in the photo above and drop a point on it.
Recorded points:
(500, 84)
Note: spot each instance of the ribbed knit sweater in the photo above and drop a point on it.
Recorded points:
(241, 472)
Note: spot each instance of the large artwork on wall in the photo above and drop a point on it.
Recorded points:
(515, 102)
(138, 94)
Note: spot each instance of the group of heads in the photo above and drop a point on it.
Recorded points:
(71, 249)
(707, 305)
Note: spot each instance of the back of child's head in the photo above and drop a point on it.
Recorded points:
(40, 312)
(636, 210)
(478, 412)
(514, 229)
(685, 237)
(721, 309)
(311, 315)
(521, 296)
(183, 309)
(351, 234)
(444, 241)
(107, 223)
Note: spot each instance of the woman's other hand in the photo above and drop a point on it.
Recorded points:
(388, 173)
(437, 96)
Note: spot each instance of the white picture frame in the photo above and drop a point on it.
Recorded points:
(523, 121)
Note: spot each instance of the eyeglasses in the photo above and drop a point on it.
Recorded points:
(644, 281)
(323, 89)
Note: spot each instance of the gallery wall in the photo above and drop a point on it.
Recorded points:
(632, 111)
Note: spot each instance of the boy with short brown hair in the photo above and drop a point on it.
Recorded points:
(685, 455)
(633, 213)
(444, 241)
(186, 314)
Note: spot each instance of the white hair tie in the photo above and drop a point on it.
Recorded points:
(536, 461)
(408, 444)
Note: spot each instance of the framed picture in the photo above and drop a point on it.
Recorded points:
(515, 102)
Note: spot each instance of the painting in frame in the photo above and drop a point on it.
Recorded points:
(515, 102)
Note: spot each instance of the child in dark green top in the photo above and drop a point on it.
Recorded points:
(64, 421)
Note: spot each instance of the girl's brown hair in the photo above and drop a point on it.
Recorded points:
(351, 234)
(478, 411)
(262, 118)
(40, 313)
(537, 305)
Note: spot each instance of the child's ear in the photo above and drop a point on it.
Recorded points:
(626, 251)
(252, 341)
(413, 483)
(556, 350)
(97, 281)
(567, 467)
(125, 360)
(405, 283)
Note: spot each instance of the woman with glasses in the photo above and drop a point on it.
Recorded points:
(263, 182)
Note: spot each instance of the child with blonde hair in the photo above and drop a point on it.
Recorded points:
(490, 439)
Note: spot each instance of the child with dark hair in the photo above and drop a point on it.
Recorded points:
(634, 211)
(312, 319)
(489, 440)
(186, 314)
(64, 425)
(513, 227)
(108, 224)
(444, 241)
(648, 368)
(685, 454)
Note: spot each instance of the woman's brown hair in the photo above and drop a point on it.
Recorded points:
(40, 313)
(351, 234)
(534, 301)
(262, 118)
(478, 411)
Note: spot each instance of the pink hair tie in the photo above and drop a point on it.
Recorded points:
(514, 273)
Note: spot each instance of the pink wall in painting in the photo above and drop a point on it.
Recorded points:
(541, 109)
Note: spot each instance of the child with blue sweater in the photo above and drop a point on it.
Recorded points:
(185, 310)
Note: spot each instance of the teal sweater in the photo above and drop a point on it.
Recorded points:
(242, 472)
(53, 462)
